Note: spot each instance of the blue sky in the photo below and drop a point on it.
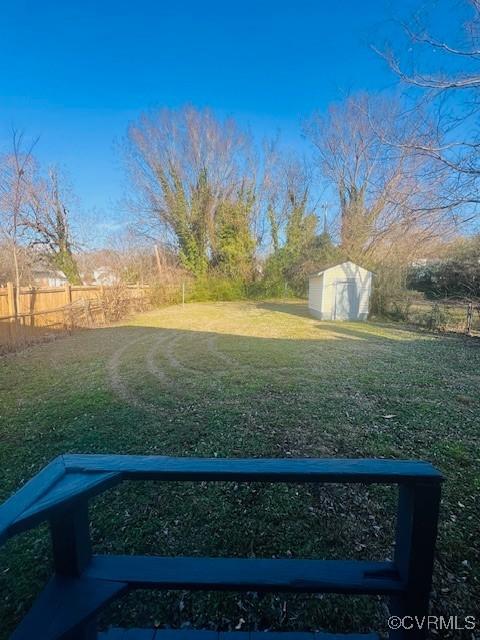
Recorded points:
(76, 73)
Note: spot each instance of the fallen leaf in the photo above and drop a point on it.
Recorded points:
(240, 623)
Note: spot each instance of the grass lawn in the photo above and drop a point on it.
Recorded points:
(245, 379)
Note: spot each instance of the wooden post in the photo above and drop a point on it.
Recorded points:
(70, 533)
(469, 318)
(68, 293)
(183, 293)
(68, 301)
(72, 552)
(417, 518)
(12, 305)
(88, 312)
(102, 303)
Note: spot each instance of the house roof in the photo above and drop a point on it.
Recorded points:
(338, 264)
(46, 269)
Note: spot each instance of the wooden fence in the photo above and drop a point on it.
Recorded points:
(29, 314)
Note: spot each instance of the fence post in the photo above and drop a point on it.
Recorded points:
(12, 306)
(417, 518)
(68, 293)
(468, 330)
(68, 301)
(103, 303)
(88, 312)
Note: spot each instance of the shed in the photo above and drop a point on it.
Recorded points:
(341, 292)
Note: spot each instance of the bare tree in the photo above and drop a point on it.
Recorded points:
(24, 263)
(134, 259)
(45, 219)
(34, 218)
(443, 70)
(186, 166)
(387, 195)
(291, 209)
(16, 170)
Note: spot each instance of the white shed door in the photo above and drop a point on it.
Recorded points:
(346, 300)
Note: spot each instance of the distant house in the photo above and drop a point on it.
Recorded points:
(105, 276)
(420, 262)
(341, 292)
(45, 276)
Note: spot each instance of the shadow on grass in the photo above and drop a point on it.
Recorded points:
(360, 331)
(153, 390)
(291, 308)
(347, 329)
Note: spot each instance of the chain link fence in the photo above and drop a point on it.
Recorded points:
(457, 315)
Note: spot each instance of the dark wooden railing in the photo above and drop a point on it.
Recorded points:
(83, 583)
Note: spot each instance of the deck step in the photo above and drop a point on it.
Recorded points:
(246, 574)
(183, 634)
(64, 605)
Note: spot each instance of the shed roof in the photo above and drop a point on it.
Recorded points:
(339, 264)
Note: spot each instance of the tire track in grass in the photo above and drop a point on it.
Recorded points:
(212, 347)
(167, 381)
(175, 363)
(233, 364)
(150, 363)
(121, 388)
(118, 384)
(205, 343)
(306, 372)
(249, 369)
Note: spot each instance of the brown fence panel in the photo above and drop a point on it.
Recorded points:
(34, 302)
(86, 293)
(23, 330)
(4, 307)
(45, 312)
